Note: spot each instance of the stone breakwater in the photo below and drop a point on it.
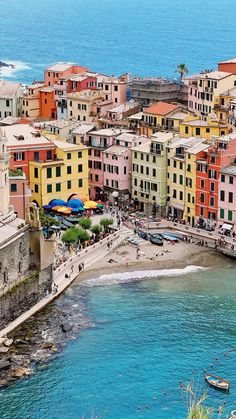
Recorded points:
(42, 337)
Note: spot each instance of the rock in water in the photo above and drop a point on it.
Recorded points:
(5, 364)
(20, 372)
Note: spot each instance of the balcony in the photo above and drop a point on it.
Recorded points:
(179, 156)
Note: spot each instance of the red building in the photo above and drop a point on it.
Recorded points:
(26, 144)
(219, 155)
(76, 83)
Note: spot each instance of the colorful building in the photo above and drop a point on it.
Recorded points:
(204, 90)
(10, 102)
(227, 196)
(47, 103)
(196, 127)
(20, 193)
(222, 153)
(149, 172)
(55, 72)
(30, 101)
(162, 116)
(26, 144)
(67, 174)
(84, 106)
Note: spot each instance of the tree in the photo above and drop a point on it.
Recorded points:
(181, 69)
(106, 222)
(96, 229)
(85, 223)
(70, 236)
(206, 71)
(82, 235)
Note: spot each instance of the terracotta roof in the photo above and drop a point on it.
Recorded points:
(161, 108)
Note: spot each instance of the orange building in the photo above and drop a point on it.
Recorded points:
(228, 66)
(47, 104)
(60, 70)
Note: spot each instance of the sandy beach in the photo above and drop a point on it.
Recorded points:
(168, 256)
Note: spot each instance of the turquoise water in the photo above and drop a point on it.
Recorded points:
(146, 337)
(144, 38)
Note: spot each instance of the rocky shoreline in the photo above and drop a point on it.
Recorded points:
(42, 337)
(2, 64)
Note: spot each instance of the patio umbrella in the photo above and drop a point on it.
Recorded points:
(100, 202)
(56, 202)
(99, 205)
(90, 204)
(47, 207)
(74, 203)
(73, 196)
(63, 210)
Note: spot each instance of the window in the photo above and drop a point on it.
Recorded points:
(36, 156)
(49, 155)
(69, 184)
(106, 87)
(212, 186)
(7, 103)
(13, 187)
(231, 180)
(186, 130)
(154, 159)
(222, 178)
(45, 101)
(49, 188)
(80, 168)
(181, 196)
(198, 131)
(230, 215)
(212, 201)
(154, 172)
(147, 171)
(36, 172)
(181, 179)
(79, 154)
(222, 195)
(174, 177)
(202, 197)
(135, 154)
(212, 174)
(141, 156)
(168, 162)
(68, 156)
(96, 178)
(207, 130)
(213, 159)
(36, 188)
(174, 163)
(80, 183)
(58, 171)
(19, 156)
(116, 88)
(189, 167)
(201, 211)
(230, 197)
(69, 170)
(49, 172)
(202, 184)
(222, 213)
(181, 165)
(58, 187)
(174, 193)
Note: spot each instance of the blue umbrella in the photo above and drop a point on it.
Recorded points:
(57, 202)
(47, 207)
(74, 203)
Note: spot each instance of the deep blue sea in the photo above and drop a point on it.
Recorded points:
(145, 337)
(115, 36)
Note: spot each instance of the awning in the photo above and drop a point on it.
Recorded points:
(227, 227)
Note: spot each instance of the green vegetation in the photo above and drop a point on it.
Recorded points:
(106, 222)
(15, 172)
(32, 275)
(74, 235)
(181, 69)
(47, 221)
(195, 408)
(96, 229)
(82, 235)
(85, 223)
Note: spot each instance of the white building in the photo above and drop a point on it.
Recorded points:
(10, 103)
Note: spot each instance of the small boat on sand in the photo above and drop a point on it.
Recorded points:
(133, 241)
(217, 382)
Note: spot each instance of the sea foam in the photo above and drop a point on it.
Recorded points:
(9, 71)
(135, 276)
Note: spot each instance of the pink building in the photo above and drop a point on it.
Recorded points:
(98, 141)
(117, 164)
(227, 197)
(19, 194)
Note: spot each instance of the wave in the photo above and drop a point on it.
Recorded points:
(9, 71)
(135, 276)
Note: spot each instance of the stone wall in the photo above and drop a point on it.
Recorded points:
(24, 294)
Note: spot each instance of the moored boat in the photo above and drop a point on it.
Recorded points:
(133, 241)
(156, 239)
(217, 382)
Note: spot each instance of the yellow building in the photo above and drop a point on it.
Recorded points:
(30, 101)
(149, 163)
(192, 154)
(196, 127)
(82, 105)
(179, 177)
(162, 116)
(67, 174)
